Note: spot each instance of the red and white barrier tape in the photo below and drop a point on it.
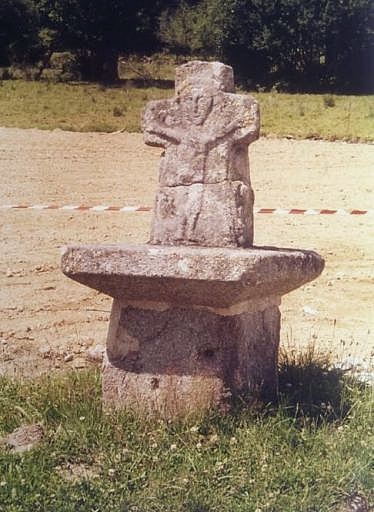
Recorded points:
(74, 207)
(105, 208)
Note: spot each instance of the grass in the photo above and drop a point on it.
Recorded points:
(90, 107)
(307, 454)
(315, 116)
(74, 107)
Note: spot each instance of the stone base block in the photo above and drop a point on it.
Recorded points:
(177, 361)
(165, 396)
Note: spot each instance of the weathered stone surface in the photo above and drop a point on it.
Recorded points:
(213, 277)
(175, 395)
(190, 75)
(205, 131)
(210, 215)
(178, 361)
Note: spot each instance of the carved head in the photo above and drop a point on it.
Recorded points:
(196, 105)
(197, 83)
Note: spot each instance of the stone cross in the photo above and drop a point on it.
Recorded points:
(195, 316)
(205, 196)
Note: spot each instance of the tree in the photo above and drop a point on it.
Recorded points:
(177, 28)
(293, 43)
(98, 31)
(19, 26)
(195, 28)
(349, 45)
(310, 45)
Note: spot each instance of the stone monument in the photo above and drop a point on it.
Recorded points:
(195, 318)
(205, 197)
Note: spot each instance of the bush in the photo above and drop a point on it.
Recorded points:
(4, 74)
(23, 72)
(62, 67)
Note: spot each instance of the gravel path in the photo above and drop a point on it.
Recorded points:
(47, 321)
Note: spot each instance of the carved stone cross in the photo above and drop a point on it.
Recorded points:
(205, 196)
(192, 326)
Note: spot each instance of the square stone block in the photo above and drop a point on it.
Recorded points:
(176, 361)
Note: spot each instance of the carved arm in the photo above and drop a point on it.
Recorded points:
(156, 131)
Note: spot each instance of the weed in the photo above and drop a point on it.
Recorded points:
(118, 112)
(301, 110)
(311, 388)
(370, 113)
(304, 116)
(85, 107)
(329, 101)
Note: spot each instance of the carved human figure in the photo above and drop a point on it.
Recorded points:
(205, 196)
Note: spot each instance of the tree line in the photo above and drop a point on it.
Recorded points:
(305, 45)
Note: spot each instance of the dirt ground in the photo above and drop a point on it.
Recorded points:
(48, 322)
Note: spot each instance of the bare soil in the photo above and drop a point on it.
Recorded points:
(47, 322)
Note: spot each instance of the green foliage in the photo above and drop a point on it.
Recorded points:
(310, 46)
(19, 23)
(177, 29)
(193, 28)
(349, 44)
(299, 45)
(98, 31)
(296, 456)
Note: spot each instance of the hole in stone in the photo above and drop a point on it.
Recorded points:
(209, 353)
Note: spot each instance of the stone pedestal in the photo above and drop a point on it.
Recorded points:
(190, 327)
(180, 360)
(195, 316)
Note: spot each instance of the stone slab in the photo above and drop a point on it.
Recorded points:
(183, 275)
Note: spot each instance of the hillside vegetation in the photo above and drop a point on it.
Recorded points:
(314, 46)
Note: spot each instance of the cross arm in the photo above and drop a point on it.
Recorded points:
(155, 128)
(248, 128)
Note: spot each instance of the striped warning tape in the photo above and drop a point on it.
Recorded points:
(74, 207)
(106, 208)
